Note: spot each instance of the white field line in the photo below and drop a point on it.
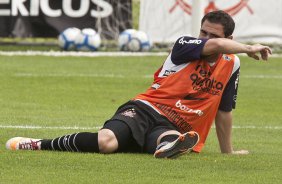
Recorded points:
(48, 127)
(123, 76)
(90, 54)
(258, 127)
(79, 54)
(68, 75)
(77, 75)
(262, 76)
(98, 127)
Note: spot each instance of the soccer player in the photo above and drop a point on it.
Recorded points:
(196, 85)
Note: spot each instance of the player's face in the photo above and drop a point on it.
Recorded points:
(211, 30)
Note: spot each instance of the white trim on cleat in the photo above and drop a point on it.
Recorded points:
(183, 144)
(23, 143)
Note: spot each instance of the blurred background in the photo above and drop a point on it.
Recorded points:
(37, 24)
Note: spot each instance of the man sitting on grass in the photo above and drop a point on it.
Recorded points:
(196, 85)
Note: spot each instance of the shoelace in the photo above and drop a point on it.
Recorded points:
(32, 145)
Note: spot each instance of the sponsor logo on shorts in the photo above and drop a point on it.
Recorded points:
(129, 113)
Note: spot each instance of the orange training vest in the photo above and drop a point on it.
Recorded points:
(190, 97)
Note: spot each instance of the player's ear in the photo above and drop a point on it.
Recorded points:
(230, 37)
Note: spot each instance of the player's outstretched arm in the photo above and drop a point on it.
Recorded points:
(228, 46)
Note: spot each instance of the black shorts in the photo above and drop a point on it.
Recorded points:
(145, 123)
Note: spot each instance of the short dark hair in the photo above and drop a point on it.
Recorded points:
(223, 18)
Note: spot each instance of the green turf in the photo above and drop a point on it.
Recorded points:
(80, 91)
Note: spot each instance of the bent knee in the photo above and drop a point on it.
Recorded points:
(107, 141)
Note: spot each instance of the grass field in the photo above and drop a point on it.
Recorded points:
(45, 97)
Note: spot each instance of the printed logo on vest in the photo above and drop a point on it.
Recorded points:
(187, 109)
(227, 58)
(155, 86)
(202, 82)
(174, 117)
(192, 97)
(168, 72)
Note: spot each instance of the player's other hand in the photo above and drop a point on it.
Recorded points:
(256, 49)
(240, 152)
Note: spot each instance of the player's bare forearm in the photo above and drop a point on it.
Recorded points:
(228, 46)
(223, 122)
